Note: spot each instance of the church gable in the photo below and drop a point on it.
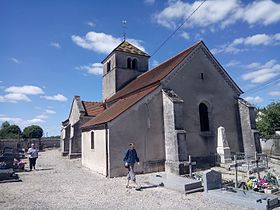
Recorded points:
(201, 65)
(76, 111)
(84, 109)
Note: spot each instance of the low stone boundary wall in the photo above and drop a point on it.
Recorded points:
(15, 143)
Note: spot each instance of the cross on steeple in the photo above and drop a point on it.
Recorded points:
(124, 28)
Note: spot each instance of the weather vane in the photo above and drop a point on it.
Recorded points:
(124, 29)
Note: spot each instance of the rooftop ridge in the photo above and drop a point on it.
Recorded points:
(126, 47)
(163, 70)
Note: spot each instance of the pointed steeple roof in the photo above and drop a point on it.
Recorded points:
(125, 46)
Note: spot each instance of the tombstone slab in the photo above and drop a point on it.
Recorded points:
(212, 180)
(175, 182)
(249, 199)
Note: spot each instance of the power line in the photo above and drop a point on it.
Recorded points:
(172, 34)
(259, 88)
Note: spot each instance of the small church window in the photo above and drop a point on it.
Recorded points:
(129, 63)
(203, 115)
(92, 140)
(134, 64)
(108, 66)
(201, 76)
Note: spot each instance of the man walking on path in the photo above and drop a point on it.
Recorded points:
(33, 155)
(130, 159)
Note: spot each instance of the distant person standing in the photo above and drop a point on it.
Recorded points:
(33, 155)
(130, 159)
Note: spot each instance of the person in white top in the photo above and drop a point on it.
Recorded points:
(33, 155)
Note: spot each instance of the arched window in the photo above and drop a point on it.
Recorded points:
(92, 140)
(108, 66)
(134, 64)
(203, 115)
(128, 63)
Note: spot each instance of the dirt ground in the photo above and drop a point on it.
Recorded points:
(60, 183)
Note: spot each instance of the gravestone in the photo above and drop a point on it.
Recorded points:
(223, 149)
(212, 180)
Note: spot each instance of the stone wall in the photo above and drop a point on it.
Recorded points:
(215, 92)
(95, 159)
(175, 137)
(250, 136)
(14, 143)
(143, 125)
(119, 75)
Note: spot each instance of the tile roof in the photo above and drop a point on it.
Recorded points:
(152, 76)
(93, 108)
(128, 48)
(120, 106)
(138, 89)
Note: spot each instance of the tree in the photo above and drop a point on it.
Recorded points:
(8, 131)
(5, 124)
(33, 131)
(268, 119)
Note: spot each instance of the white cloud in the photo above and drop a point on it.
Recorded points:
(20, 93)
(91, 24)
(14, 98)
(154, 63)
(50, 111)
(95, 68)
(45, 114)
(218, 13)
(58, 97)
(21, 122)
(253, 65)
(262, 12)
(14, 60)
(101, 42)
(274, 93)
(42, 116)
(56, 45)
(26, 89)
(35, 121)
(261, 39)
(239, 43)
(12, 120)
(232, 63)
(254, 99)
(1, 81)
(227, 48)
(263, 73)
(185, 35)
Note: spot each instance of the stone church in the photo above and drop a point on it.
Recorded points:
(169, 112)
(80, 113)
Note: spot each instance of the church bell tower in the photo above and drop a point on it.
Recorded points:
(121, 66)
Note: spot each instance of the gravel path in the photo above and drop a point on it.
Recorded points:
(60, 183)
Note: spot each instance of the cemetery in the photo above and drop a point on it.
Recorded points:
(214, 187)
(236, 179)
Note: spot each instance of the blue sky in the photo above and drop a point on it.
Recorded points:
(51, 50)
